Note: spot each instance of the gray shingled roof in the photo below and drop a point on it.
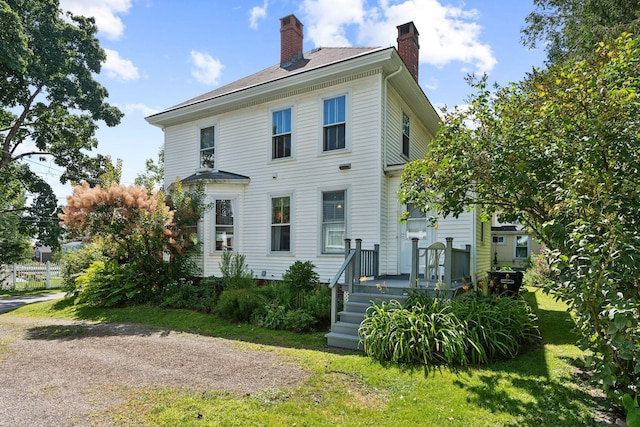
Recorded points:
(317, 58)
(216, 176)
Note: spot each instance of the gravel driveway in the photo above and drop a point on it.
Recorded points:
(63, 373)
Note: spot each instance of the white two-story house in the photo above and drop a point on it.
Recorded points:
(308, 152)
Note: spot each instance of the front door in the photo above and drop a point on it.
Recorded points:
(418, 227)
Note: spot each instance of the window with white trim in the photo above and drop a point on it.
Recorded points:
(281, 134)
(207, 147)
(333, 221)
(522, 247)
(334, 123)
(416, 222)
(223, 225)
(497, 240)
(406, 125)
(281, 224)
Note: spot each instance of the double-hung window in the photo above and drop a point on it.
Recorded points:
(333, 221)
(224, 225)
(406, 125)
(334, 123)
(522, 247)
(281, 224)
(281, 134)
(207, 147)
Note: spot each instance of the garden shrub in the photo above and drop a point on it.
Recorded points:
(300, 278)
(274, 316)
(135, 230)
(235, 271)
(274, 291)
(106, 284)
(74, 263)
(214, 285)
(299, 302)
(185, 294)
(277, 316)
(240, 304)
(299, 321)
(538, 272)
(317, 303)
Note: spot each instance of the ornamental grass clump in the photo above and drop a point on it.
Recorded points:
(425, 334)
(434, 332)
(499, 328)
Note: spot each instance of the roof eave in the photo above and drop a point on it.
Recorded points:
(414, 95)
(209, 106)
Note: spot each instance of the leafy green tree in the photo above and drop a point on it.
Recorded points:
(559, 151)
(576, 26)
(153, 176)
(50, 102)
(188, 207)
(112, 173)
(13, 244)
(16, 180)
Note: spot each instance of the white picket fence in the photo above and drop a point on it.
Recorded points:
(28, 276)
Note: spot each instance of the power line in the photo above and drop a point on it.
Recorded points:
(58, 173)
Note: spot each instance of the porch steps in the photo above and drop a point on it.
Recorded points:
(344, 333)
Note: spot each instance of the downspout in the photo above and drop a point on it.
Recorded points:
(384, 151)
(473, 251)
(384, 155)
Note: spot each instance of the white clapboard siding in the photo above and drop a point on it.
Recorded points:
(243, 146)
(180, 151)
(461, 229)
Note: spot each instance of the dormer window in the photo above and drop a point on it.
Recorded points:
(207, 147)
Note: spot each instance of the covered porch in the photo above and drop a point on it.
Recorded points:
(439, 269)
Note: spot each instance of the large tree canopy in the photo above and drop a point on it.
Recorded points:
(153, 176)
(50, 101)
(559, 151)
(575, 27)
(13, 244)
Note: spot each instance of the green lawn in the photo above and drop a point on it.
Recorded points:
(540, 388)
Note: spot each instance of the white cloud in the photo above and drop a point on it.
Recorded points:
(447, 33)
(431, 83)
(207, 70)
(327, 20)
(105, 13)
(142, 108)
(257, 13)
(119, 68)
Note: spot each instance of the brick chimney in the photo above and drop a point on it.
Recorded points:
(408, 47)
(290, 40)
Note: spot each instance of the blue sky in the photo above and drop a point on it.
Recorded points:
(162, 52)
